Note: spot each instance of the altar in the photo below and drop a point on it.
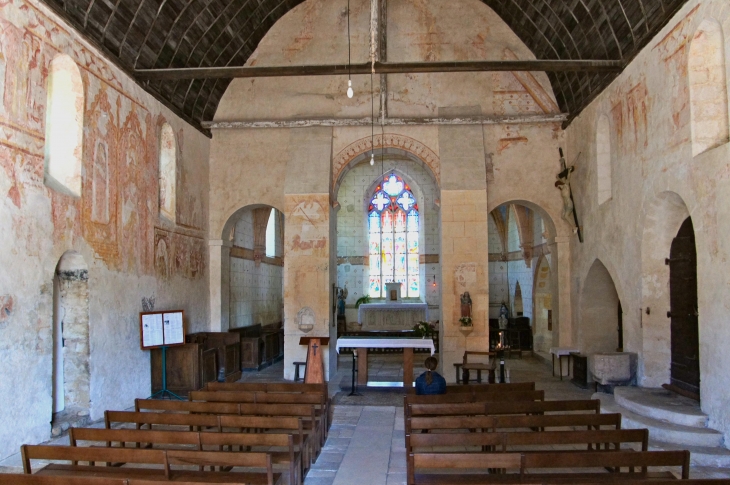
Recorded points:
(391, 315)
(362, 344)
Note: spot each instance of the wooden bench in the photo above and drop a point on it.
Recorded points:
(467, 366)
(465, 397)
(472, 468)
(479, 388)
(308, 412)
(276, 387)
(493, 423)
(504, 407)
(218, 423)
(499, 441)
(257, 397)
(164, 463)
(17, 479)
(291, 458)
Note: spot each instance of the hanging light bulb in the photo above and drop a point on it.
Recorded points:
(372, 159)
(350, 92)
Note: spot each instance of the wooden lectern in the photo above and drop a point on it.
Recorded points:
(314, 373)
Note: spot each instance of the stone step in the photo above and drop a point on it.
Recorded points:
(661, 430)
(662, 405)
(699, 455)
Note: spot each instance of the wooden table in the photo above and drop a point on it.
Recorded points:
(362, 344)
(562, 352)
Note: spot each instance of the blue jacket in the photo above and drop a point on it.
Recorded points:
(437, 386)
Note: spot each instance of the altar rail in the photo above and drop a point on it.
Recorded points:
(388, 333)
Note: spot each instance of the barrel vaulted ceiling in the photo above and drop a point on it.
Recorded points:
(145, 34)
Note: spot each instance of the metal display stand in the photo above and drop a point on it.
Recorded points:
(164, 391)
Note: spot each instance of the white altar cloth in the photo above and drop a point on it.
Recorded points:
(391, 316)
(385, 343)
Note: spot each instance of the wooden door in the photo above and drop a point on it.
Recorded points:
(685, 368)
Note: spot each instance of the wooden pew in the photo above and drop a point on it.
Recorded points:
(492, 396)
(507, 407)
(478, 388)
(163, 461)
(500, 441)
(291, 458)
(308, 412)
(277, 387)
(219, 423)
(464, 465)
(499, 422)
(257, 397)
(17, 479)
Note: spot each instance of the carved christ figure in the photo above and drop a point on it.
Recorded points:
(563, 183)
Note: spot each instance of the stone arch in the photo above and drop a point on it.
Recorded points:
(664, 216)
(71, 375)
(544, 214)
(64, 126)
(599, 304)
(246, 255)
(391, 144)
(167, 153)
(708, 87)
(542, 297)
(603, 159)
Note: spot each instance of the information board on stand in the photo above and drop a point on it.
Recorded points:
(161, 329)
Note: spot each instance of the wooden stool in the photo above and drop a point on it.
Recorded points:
(457, 366)
(296, 370)
(479, 368)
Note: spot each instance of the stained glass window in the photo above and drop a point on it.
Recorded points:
(393, 232)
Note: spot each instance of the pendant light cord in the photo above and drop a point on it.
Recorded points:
(349, 49)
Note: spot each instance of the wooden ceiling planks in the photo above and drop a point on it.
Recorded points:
(158, 34)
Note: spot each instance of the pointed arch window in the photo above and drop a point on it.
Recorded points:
(393, 221)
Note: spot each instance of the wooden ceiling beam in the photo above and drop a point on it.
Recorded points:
(380, 68)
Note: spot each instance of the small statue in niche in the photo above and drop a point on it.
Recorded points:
(503, 316)
(465, 305)
(341, 297)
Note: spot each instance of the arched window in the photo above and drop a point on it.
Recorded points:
(271, 235)
(168, 172)
(603, 159)
(393, 236)
(64, 126)
(708, 88)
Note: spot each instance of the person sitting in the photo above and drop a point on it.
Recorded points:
(430, 382)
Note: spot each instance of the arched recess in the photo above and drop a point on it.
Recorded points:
(168, 172)
(603, 159)
(542, 326)
(64, 126)
(664, 216)
(519, 308)
(557, 246)
(598, 328)
(70, 388)
(708, 87)
(252, 280)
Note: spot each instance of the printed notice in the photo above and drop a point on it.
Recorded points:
(173, 324)
(152, 330)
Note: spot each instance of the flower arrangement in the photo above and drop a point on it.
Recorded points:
(465, 321)
(424, 329)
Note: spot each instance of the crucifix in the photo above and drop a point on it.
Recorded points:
(566, 193)
(315, 347)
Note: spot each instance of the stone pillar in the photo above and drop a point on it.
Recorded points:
(307, 242)
(560, 269)
(464, 253)
(219, 284)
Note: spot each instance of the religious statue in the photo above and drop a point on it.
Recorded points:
(563, 184)
(465, 305)
(503, 316)
(341, 297)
